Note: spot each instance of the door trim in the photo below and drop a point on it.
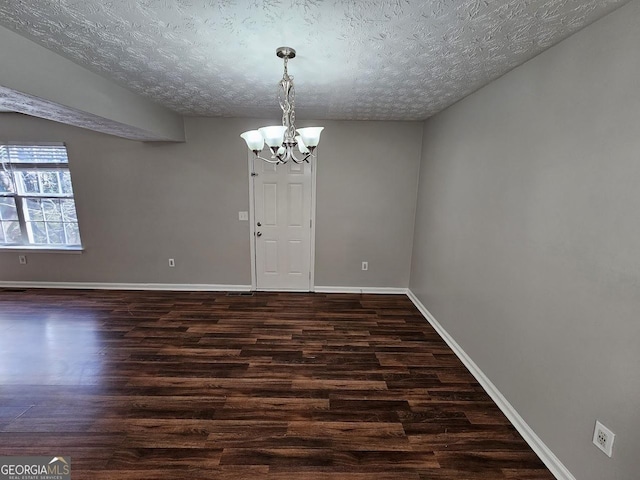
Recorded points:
(312, 243)
(252, 224)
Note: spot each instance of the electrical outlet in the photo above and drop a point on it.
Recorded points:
(603, 438)
(243, 216)
(172, 262)
(22, 259)
(365, 265)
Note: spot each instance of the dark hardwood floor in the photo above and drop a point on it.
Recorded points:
(174, 385)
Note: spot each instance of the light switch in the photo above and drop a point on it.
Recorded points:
(243, 216)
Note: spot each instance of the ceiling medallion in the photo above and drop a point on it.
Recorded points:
(282, 140)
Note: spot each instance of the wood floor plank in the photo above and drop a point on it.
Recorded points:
(195, 385)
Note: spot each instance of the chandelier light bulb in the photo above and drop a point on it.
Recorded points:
(254, 139)
(310, 136)
(301, 146)
(273, 136)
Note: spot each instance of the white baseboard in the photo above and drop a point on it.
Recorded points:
(552, 462)
(194, 287)
(375, 290)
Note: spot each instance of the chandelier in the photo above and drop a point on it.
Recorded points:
(282, 140)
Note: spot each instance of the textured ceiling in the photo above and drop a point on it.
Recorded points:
(365, 60)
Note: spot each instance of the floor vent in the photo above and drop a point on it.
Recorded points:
(239, 294)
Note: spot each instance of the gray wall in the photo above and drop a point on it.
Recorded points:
(140, 204)
(527, 239)
(367, 186)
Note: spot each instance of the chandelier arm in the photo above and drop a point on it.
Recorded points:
(301, 160)
(288, 154)
(269, 160)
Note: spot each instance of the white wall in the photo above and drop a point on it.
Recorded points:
(140, 204)
(527, 239)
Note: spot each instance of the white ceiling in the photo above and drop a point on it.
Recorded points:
(364, 60)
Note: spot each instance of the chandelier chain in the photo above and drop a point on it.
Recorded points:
(286, 98)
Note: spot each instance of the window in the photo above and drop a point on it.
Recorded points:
(37, 208)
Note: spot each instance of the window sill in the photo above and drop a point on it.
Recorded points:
(35, 249)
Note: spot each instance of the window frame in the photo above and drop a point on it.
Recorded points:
(21, 196)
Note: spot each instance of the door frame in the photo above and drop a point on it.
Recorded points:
(252, 222)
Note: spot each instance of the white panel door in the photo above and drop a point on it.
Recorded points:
(282, 212)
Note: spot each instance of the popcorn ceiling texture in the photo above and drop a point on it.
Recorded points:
(364, 60)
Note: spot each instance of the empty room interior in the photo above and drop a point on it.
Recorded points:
(320, 239)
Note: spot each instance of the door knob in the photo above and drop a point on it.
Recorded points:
(259, 224)
(259, 234)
